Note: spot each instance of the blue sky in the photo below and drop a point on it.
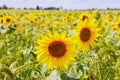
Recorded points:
(69, 4)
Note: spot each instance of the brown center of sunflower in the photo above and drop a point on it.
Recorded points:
(7, 20)
(1, 21)
(84, 17)
(31, 21)
(85, 34)
(15, 25)
(57, 48)
(119, 25)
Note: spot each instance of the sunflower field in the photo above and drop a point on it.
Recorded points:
(59, 45)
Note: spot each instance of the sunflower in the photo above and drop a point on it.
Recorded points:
(109, 18)
(86, 34)
(55, 50)
(117, 25)
(84, 17)
(113, 28)
(15, 25)
(118, 35)
(7, 20)
(1, 20)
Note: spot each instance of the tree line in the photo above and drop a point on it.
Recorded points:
(37, 8)
(52, 8)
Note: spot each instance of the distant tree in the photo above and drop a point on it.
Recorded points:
(108, 8)
(18, 8)
(37, 7)
(75, 9)
(4, 7)
(31, 8)
(51, 8)
(25, 8)
(10, 8)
